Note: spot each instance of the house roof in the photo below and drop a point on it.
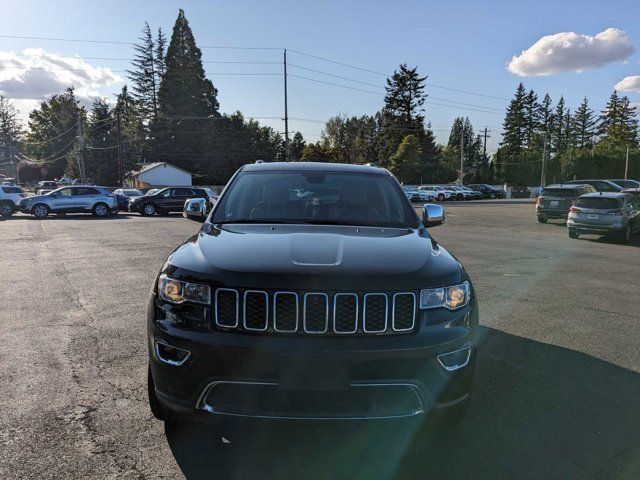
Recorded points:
(151, 166)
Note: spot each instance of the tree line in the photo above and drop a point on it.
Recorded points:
(543, 143)
(169, 111)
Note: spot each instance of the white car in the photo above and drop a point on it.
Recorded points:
(440, 193)
(128, 192)
(416, 195)
(10, 196)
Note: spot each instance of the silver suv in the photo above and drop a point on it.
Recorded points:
(10, 195)
(616, 214)
(76, 199)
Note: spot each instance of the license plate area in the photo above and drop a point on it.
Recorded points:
(554, 203)
(592, 216)
(314, 372)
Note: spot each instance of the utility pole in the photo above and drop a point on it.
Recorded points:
(484, 145)
(543, 173)
(626, 164)
(286, 112)
(119, 132)
(462, 156)
(80, 158)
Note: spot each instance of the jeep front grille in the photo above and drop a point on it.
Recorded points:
(314, 313)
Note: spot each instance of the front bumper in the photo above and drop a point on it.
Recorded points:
(234, 374)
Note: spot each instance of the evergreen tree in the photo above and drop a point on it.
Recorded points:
(160, 53)
(297, 146)
(583, 125)
(51, 140)
(405, 163)
(532, 111)
(618, 124)
(134, 139)
(101, 158)
(402, 112)
(144, 76)
(187, 102)
(514, 126)
(10, 130)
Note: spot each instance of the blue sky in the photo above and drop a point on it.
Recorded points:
(463, 45)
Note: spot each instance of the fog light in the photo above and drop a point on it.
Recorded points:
(455, 360)
(173, 356)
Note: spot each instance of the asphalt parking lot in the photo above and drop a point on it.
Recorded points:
(557, 389)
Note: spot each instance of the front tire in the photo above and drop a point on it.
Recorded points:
(492, 196)
(6, 209)
(542, 219)
(148, 210)
(40, 210)
(101, 210)
(573, 233)
(441, 198)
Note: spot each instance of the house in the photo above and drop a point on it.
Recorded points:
(158, 174)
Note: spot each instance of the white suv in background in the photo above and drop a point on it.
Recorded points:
(441, 193)
(10, 196)
(75, 199)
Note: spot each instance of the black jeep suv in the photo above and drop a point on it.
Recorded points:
(312, 291)
(168, 200)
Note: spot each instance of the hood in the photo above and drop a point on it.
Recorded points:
(311, 256)
(35, 197)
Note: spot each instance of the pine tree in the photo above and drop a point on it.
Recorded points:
(583, 125)
(532, 111)
(144, 77)
(402, 114)
(101, 159)
(52, 133)
(10, 130)
(160, 54)
(184, 90)
(405, 163)
(558, 139)
(514, 136)
(618, 124)
(297, 146)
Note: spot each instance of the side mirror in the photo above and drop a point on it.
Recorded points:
(196, 209)
(432, 215)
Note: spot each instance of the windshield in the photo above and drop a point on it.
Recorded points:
(335, 198)
(626, 183)
(603, 203)
(132, 193)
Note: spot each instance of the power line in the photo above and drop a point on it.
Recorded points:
(50, 139)
(335, 84)
(55, 56)
(127, 71)
(338, 63)
(335, 76)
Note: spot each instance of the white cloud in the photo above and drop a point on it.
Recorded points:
(629, 84)
(36, 75)
(570, 51)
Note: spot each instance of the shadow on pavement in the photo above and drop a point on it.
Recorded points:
(539, 411)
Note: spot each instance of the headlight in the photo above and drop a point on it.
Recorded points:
(175, 291)
(451, 298)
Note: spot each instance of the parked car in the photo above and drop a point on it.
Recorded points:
(10, 196)
(276, 309)
(128, 192)
(632, 191)
(625, 182)
(488, 191)
(614, 214)
(556, 200)
(417, 195)
(48, 184)
(461, 193)
(475, 195)
(599, 185)
(99, 201)
(166, 200)
(441, 193)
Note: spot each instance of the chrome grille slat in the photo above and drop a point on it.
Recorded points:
(279, 317)
(342, 316)
(315, 313)
(376, 312)
(401, 312)
(251, 315)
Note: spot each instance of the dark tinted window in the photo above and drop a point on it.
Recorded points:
(605, 187)
(11, 189)
(337, 198)
(85, 191)
(599, 203)
(626, 183)
(182, 192)
(559, 192)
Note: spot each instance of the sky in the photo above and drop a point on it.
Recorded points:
(568, 48)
